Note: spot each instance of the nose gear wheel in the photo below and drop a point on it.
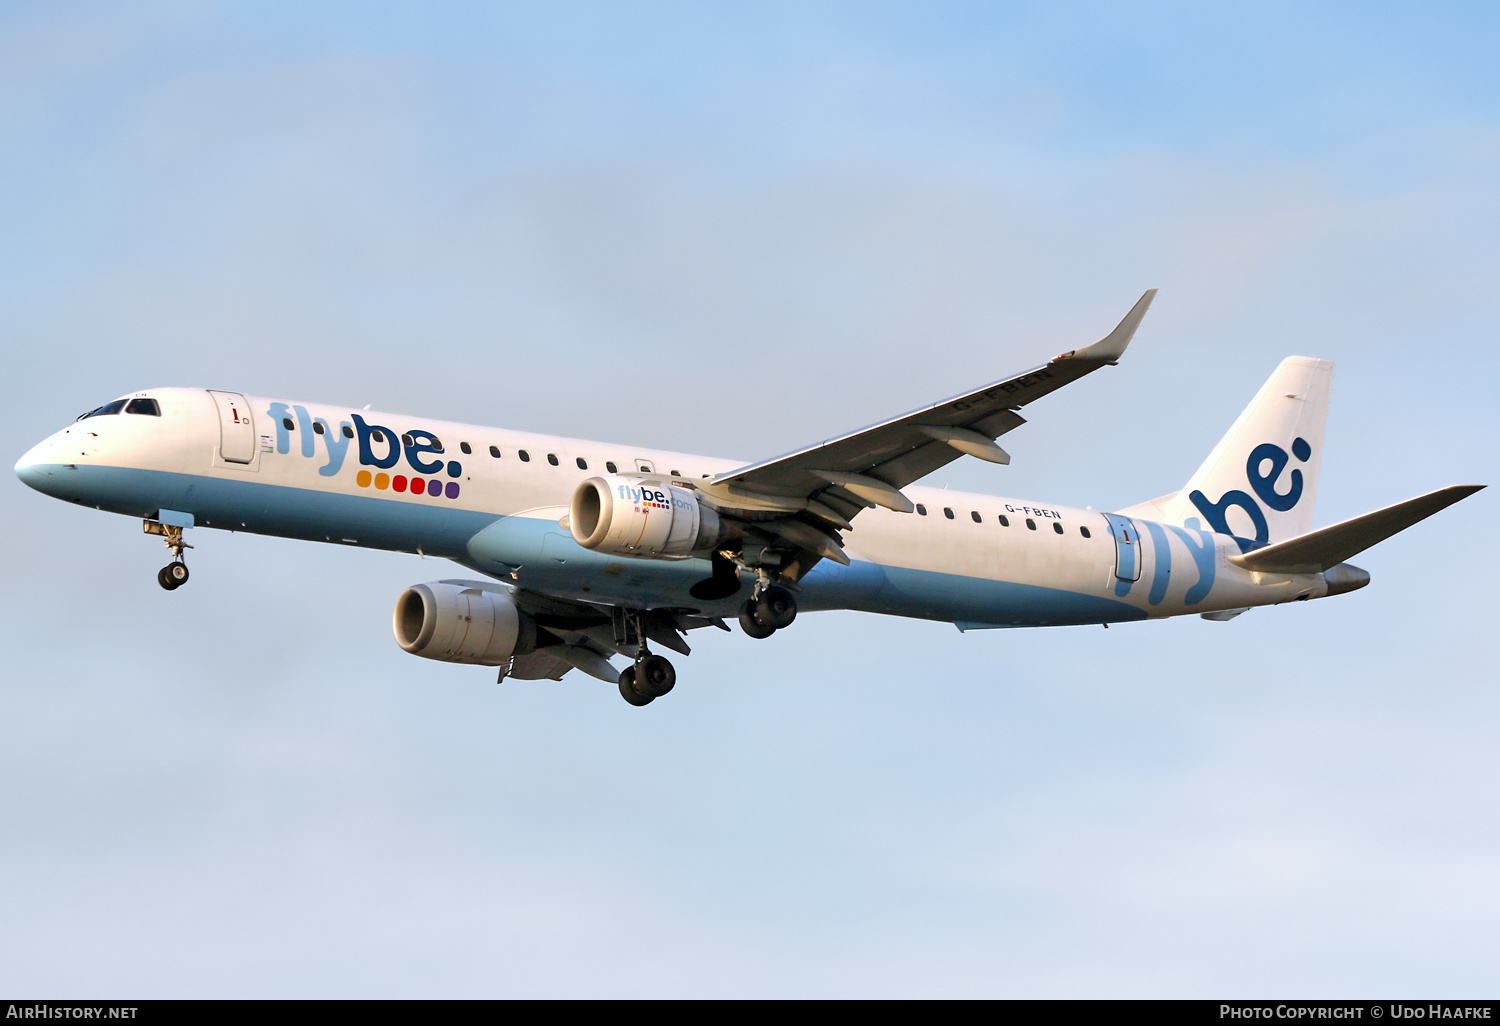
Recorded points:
(172, 576)
(175, 574)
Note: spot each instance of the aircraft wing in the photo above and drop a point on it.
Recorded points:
(869, 467)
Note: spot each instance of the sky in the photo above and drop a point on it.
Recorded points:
(735, 229)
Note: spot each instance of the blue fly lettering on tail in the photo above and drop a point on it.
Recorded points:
(1200, 545)
(1161, 573)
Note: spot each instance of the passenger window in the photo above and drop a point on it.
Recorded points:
(463, 447)
(977, 518)
(495, 451)
(525, 456)
(317, 427)
(552, 458)
(609, 465)
(674, 473)
(947, 513)
(583, 464)
(407, 440)
(1030, 524)
(1057, 527)
(378, 435)
(348, 431)
(1004, 520)
(1085, 532)
(286, 422)
(144, 406)
(921, 510)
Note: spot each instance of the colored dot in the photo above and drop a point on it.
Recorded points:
(398, 483)
(418, 486)
(1301, 449)
(452, 489)
(455, 469)
(435, 488)
(362, 479)
(382, 481)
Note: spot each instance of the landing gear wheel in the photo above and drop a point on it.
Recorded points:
(750, 625)
(628, 689)
(172, 576)
(654, 675)
(775, 608)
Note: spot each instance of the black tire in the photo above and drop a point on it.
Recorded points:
(775, 608)
(750, 625)
(655, 676)
(164, 580)
(628, 690)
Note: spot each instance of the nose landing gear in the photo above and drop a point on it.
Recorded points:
(175, 574)
(172, 576)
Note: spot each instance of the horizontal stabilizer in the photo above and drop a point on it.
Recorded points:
(1325, 548)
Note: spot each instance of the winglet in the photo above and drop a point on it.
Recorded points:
(1111, 347)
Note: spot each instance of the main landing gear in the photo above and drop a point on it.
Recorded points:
(768, 611)
(652, 676)
(175, 574)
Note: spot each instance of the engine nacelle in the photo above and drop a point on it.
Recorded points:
(627, 516)
(460, 624)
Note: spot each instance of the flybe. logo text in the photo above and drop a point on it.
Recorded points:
(650, 498)
(377, 446)
(1263, 470)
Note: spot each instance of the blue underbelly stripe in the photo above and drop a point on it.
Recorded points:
(260, 508)
(549, 559)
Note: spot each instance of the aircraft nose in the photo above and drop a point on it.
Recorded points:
(37, 466)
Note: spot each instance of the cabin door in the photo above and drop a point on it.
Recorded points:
(236, 429)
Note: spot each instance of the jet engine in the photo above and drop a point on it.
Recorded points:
(461, 624)
(625, 516)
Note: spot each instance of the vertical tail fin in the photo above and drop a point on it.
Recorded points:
(1260, 481)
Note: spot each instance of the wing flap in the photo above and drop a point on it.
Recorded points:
(536, 666)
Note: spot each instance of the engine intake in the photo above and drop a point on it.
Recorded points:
(626, 516)
(461, 624)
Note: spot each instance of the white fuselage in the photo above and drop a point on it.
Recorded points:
(344, 476)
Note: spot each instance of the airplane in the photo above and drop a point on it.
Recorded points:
(591, 550)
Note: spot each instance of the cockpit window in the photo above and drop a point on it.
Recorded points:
(105, 410)
(146, 406)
